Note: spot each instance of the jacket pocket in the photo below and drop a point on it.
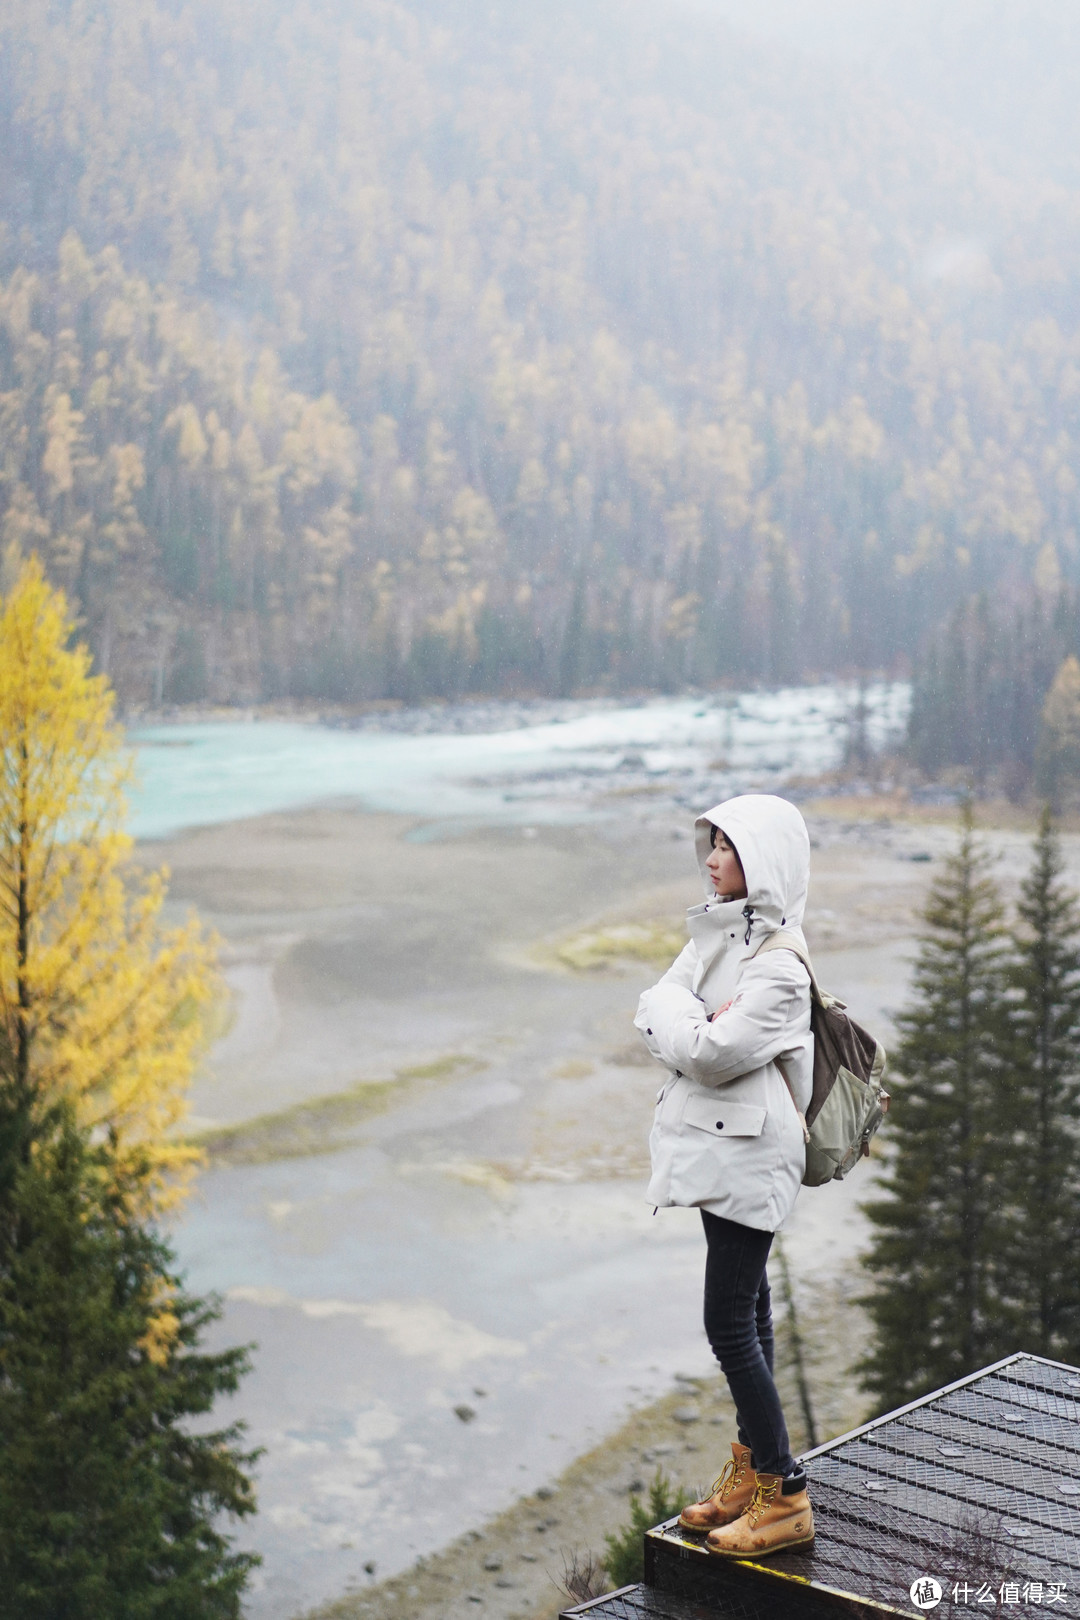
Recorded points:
(722, 1118)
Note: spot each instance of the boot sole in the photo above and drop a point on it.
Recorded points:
(764, 1552)
(704, 1529)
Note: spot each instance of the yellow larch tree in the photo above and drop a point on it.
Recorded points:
(1057, 753)
(101, 1004)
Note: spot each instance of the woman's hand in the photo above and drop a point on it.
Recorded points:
(714, 1016)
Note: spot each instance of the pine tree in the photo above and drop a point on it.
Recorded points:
(572, 649)
(936, 1257)
(108, 1501)
(1044, 1176)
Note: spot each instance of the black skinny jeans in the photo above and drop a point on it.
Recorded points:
(738, 1324)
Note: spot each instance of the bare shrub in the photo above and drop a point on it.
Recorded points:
(584, 1576)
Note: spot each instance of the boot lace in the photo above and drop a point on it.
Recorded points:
(729, 1479)
(764, 1493)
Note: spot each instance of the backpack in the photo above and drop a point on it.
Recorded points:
(847, 1104)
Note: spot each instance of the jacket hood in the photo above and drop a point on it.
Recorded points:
(774, 848)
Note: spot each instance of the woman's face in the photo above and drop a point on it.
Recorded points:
(725, 868)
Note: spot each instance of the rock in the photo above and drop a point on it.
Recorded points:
(635, 1486)
(529, 1558)
(686, 1414)
(493, 1563)
(545, 1493)
(465, 1413)
(475, 1597)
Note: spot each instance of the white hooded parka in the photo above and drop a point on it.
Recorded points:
(726, 1136)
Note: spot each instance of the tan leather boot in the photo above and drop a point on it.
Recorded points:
(729, 1497)
(771, 1522)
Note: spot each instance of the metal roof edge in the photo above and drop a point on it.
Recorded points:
(1044, 1361)
(880, 1604)
(768, 1572)
(924, 1400)
(592, 1603)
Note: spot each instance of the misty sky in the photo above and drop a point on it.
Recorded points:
(1008, 71)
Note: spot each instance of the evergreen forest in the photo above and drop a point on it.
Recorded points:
(976, 1215)
(407, 348)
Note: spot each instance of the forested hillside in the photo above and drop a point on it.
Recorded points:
(361, 348)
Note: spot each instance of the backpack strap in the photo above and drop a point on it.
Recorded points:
(783, 940)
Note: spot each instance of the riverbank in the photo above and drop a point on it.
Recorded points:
(516, 1565)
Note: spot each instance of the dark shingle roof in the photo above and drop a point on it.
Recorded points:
(979, 1478)
(978, 1483)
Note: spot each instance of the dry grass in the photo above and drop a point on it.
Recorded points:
(324, 1124)
(603, 948)
(584, 1577)
(995, 813)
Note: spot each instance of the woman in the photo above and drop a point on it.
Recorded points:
(728, 1139)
